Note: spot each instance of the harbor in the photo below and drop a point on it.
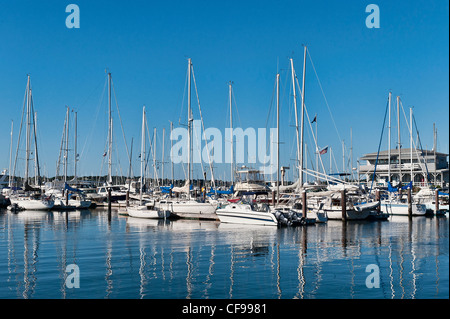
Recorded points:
(204, 153)
(123, 257)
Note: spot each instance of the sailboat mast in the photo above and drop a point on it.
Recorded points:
(389, 139)
(142, 154)
(66, 142)
(27, 132)
(399, 141)
(231, 134)
(171, 152)
(10, 155)
(300, 174)
(302, 118)
(75, 149)
(109, 132)
(278, 138)
(411, 142)
(37, 173)
(162, 161)
(189, 120)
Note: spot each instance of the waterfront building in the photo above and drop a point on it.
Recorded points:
(405, 166)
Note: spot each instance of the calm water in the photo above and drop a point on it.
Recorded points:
(123, 257)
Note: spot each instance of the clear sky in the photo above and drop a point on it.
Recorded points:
(145, 45)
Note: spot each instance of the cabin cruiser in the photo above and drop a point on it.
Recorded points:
(250, 181)
(246, 213)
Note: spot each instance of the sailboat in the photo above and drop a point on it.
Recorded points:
(31, 198)
(118, 193)
(189, 207)
(66, 197)
(147, 210)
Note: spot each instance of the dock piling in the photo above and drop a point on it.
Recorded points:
(436, 201)
(343, 206)
(409, 203)
(304, 208)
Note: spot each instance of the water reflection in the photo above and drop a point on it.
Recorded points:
(124, 257)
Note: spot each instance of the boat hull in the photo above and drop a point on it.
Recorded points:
(33, 204)
(402, 209)
(246, 218)
(143, 212)
(190, 209)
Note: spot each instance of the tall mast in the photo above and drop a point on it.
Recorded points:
(155, 175)
(434, 149)
(317, 152)
(411, 141)
(189, 121)
(399, 141)
(351, 153)
(10, 155)
(37, 173)
(66, 142)
(389, 139)
(162, 162)
(231, 134)
(300, 173)
(110, 133)
(302, 118)
(27, 141)
(278, 138)
(171, 152)
(75, 149)
(142, 154)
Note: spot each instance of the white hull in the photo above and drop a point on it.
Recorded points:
(190, 209)
(73, 203)
(144, 212)
(33, 204)
(236, 214)
(402, 208)
(432, 206)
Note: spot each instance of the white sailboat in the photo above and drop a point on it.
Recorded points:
(118, 193)
(148, 209)
(66, 197)
(189, 207)
(32, 198)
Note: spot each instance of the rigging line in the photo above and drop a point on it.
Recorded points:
(88, 138)
(410, 133)
(182, 100)
(204, 134)
(36, 157)
(379, 146)
(121, 125)
(326, 101)
(271, 103)
(150, 151)
(63, 136)
(235, 106)
(20, 131)
(312, 131)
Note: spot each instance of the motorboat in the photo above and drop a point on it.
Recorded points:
(245, 213)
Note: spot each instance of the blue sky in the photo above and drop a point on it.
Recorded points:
(145, 45)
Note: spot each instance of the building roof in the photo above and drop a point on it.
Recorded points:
(404, 151)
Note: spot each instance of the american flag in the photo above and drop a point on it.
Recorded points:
(323, 151)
